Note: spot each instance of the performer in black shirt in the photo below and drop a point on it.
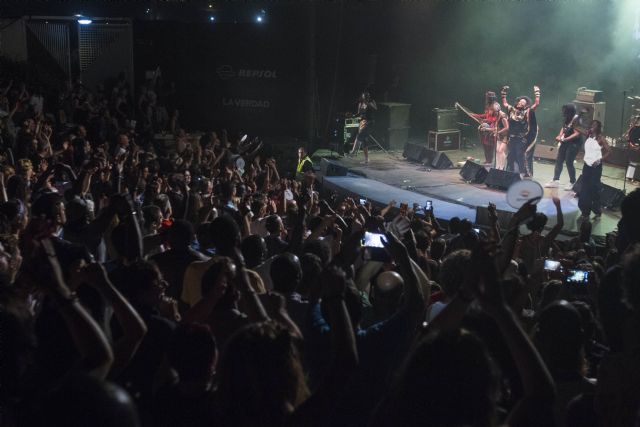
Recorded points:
(366, 110)
(522, 130)
(569, 140)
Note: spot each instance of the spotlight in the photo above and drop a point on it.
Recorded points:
(210, 6)
(259, 18)
(212, 18)
(83, 20)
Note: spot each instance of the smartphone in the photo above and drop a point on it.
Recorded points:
(372, 240)
(551, 265)
(477, 230)
(403, 209)
(363, 202)
(579, 277)
(429, 205)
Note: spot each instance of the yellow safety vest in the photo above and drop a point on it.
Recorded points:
(301, 162)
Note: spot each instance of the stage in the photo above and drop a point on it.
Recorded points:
(391, 177)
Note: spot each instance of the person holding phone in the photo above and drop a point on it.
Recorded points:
(534, 247)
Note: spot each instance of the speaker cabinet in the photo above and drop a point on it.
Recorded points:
(473, 172)
(444, 141)
(444, 119)
(393, 115)
(330, 168)
(414, 152)
(545, 152)
(501, 180)
(394, 138)
(589, 111)
(610, 197)
(441, 161)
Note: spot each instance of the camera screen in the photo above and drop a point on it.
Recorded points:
(373, 240)
(551, 265)
(578, 276)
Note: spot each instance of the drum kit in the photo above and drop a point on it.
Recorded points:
(631, 136)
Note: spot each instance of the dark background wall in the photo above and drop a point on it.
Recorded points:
(436, 53)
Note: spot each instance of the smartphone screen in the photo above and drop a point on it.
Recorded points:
(551, 265)
(373, 240)
(580, 277)
(363, 202)
(429, 205)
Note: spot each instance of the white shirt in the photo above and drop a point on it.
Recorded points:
(592, 151)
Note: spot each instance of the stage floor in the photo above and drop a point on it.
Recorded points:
(390, 176)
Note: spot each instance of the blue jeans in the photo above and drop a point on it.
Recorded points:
(566, 154)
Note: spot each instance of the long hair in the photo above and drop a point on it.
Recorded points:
(261, 377)
(568, 112)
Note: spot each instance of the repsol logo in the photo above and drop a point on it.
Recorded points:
(258, 74)
(227, 72)
(245, 103)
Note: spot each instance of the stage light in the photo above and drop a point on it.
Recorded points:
(84, 21)
(212, 18)
(259, 19)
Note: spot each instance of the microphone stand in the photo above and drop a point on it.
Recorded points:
(624, 101)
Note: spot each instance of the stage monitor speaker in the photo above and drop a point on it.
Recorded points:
(330, 168)
(610, 197)
(441, 161)
(473, 172)
(545, 152)
(444, 119)
(501, 180)
(482, 217)
(414, 152)
(589, 111)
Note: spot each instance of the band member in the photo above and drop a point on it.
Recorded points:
(633, 133)
(491, 138)
(596, 150)
(305, 165)
(569, 140)
(522, 130)
(366, 110)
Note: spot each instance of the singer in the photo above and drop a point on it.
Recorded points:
(569, 141)
(522, 131)
(366, 108)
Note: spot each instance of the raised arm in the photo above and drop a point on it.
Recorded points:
(503, 96)
(87, 336)
(413, 296)
(536, 100)
(344, 354)
(133, 327)
(551, 236)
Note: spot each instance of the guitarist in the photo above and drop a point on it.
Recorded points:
(366, 110)
(569, 140)
(489, 135)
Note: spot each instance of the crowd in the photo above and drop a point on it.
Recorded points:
(198, 285)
